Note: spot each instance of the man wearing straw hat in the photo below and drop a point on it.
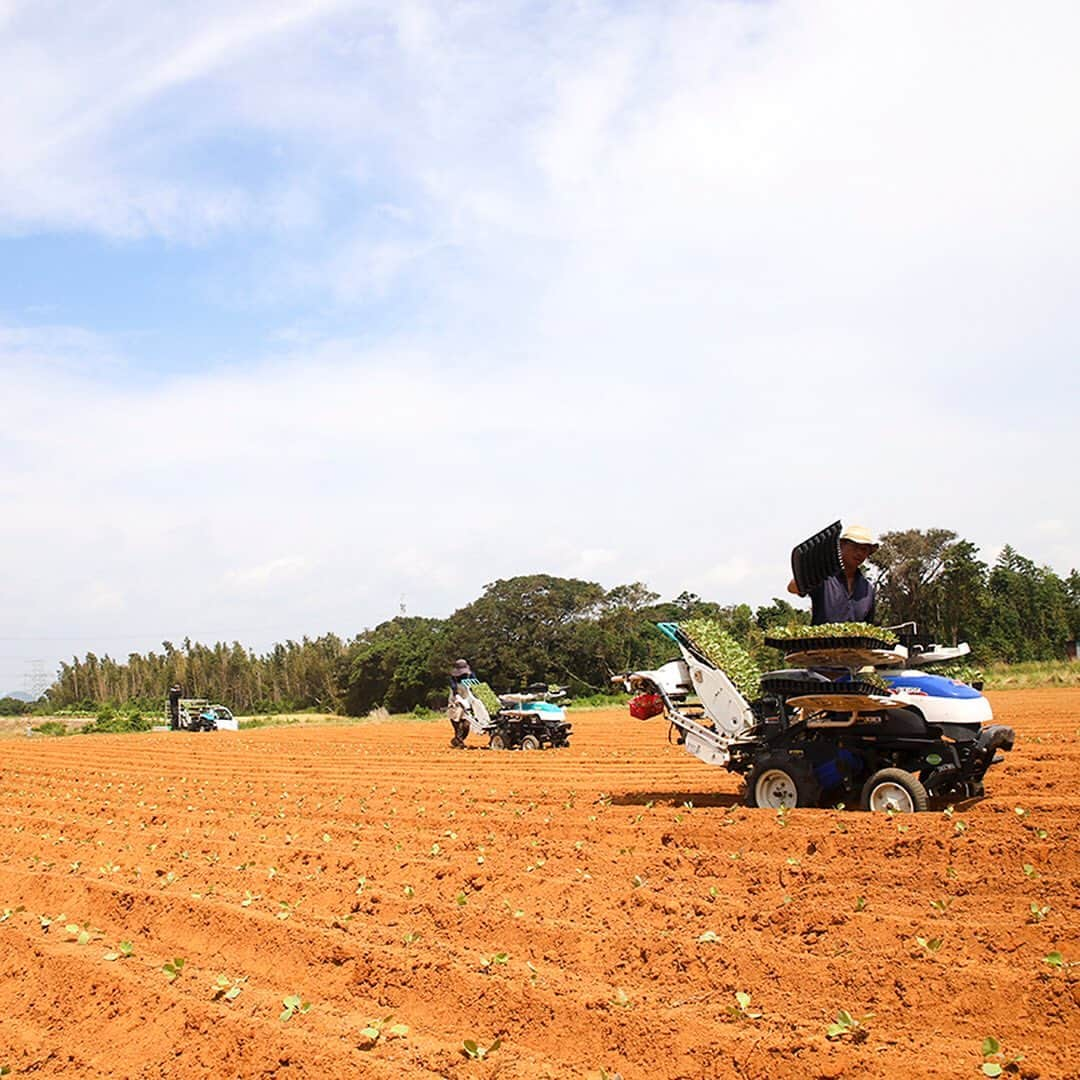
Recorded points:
(459, 671)
(847, 596)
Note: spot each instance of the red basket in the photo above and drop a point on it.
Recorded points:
(645, 706)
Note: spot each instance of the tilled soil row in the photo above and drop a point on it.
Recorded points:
(604, 907)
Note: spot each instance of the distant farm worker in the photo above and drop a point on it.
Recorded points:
(459, 672)
(847, 596)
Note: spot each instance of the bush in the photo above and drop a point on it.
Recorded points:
(110, 723)
(52, 728)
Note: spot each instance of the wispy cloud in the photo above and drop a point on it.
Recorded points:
(465, 290)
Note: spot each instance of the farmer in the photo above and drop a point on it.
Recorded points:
(847, 596)
(459, 671)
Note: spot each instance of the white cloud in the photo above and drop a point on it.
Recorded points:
(259, 577)
(731, 571)
(653, 291)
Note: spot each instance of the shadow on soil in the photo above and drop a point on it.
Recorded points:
(675, 798)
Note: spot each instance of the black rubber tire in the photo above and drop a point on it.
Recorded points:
(530, 742)
(908, 796)
(497, 742)
(777, 778)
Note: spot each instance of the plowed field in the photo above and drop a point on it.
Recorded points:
(594, 908)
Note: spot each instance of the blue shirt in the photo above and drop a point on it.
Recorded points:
(831, 602)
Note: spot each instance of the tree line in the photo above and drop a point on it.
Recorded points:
(542, 628)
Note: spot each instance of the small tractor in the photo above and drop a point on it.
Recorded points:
(855, 718)
(198, 714)
(530, 721)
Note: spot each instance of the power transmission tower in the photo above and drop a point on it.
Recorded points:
(36, 681)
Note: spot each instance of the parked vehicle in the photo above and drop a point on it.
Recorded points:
(198, 714)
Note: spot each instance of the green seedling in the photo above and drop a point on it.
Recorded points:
(709, 935)
(293, 1005)
(250, 898)
(377, 1028)
(1030, 872)
(409, 891)
(931, 945)
(121, 952)
(173, 968)
(499, 958)
(638, 881)
(226, 988)
(941, 906)
(991, 1048)
(82, 934)
(1056, 960)
(461, 899)
(1038, 913)
(741, 1009)
(8, 912)
(847, 1026)
(412, 937)
(782, 816)
(860, 903)
(473, 1050)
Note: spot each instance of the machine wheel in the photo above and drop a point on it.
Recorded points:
(780, 780)
(530, 742)
(497, 742)
(896, 790)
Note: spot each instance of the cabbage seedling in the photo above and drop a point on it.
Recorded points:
(472, 1049)
(848, 1026)
(293, 1005)
(173, 968)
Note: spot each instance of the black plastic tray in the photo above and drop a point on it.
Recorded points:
(813, 644)
(795, 687)
(816, 559)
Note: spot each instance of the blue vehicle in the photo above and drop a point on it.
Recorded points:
(856, 719)
(530, 721)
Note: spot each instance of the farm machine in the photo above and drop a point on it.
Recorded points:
(529, 721)
(198, 714)
(856, 717)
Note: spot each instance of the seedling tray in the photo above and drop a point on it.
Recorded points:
(788, 687)
(815, 644)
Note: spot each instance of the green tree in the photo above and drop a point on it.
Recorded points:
(959, 598)
(534, 628)
(908, 563)
(393, 666)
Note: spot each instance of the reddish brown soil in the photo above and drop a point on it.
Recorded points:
(373, 871)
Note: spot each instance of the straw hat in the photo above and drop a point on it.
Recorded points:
(859, 534)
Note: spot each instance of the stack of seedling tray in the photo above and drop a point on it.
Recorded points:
(816, 559)
(792, 686)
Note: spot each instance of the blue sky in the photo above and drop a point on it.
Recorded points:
(306, 308)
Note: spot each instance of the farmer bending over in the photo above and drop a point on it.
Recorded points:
(847, 596)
